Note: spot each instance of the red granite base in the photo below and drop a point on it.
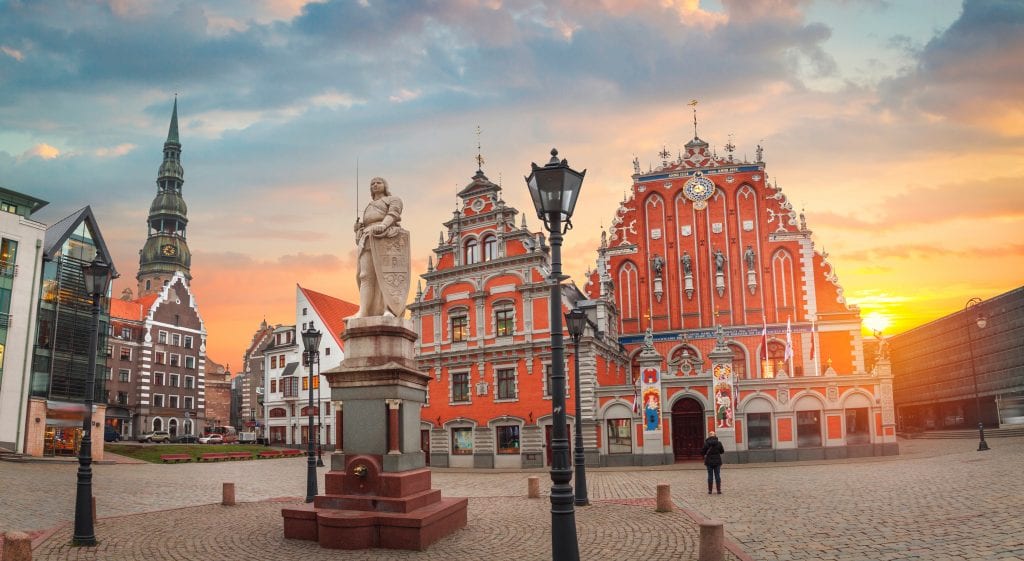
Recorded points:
(375, 509)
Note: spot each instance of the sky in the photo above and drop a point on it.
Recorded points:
(897, 127)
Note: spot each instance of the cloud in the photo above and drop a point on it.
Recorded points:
(13, 53)
(43, 151)
(115, 151)
(977, 58)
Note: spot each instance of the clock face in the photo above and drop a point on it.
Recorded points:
(699, 188)
(169, 250)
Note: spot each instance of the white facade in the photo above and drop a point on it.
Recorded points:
(22, 278)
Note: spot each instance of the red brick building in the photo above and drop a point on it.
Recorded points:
(703, 242)
(483, 322)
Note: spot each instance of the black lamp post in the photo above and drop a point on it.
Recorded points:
(982, 321)
(554, 189)
(311, 343)
(576, 320)
(97, 282)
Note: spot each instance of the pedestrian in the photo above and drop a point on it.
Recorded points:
(712, 452)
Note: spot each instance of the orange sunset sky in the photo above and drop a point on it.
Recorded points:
(896, 126)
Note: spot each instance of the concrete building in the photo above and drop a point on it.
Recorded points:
(939, 367)
(21, 247)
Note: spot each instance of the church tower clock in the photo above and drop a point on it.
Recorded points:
(166, 251)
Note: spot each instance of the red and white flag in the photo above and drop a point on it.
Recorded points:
(764, 338)
(789, 341)
(813, 329)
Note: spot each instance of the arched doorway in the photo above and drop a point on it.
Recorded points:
(687, 429)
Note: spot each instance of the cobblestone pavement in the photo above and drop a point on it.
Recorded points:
(939, 500)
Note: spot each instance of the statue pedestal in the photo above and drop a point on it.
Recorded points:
(378, 492)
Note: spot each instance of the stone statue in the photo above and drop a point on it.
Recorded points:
(687, 264)
(748, 256)
(719, 260)
(383, 272)
(658, 264)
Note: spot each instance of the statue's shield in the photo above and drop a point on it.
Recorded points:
(391, 260)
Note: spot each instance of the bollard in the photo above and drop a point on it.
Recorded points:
(229, 495)
(664, 502)
(712, 541)
(533, 487)
(17, 547)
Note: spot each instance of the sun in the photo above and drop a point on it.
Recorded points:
(876, 322)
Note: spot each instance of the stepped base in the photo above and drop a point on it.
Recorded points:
(375, 509)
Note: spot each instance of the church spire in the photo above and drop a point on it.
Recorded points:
(172, 131)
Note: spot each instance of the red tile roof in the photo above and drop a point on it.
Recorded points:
(133, 310)
(332, 311)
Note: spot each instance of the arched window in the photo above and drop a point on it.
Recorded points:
(775, 363)
(490, 248)
(172, 427)
(158, 424)
(739, 361)
(472, 252)
(684, 361)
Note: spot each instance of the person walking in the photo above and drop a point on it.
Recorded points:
(712, 452)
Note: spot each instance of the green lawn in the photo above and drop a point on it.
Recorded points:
(152, 452)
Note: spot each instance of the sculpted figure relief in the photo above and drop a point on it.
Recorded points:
(383, 272)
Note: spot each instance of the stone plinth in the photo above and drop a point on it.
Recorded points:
(378, 492)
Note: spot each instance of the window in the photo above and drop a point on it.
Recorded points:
(161, 337)
(8, 207)
(158, 378)
(160, 357)
(175, 360)
(739, 361)
(460, 387)
(290, 386)
(172, 380)
(775, 362)
(158, 424)
(490, 248)
(857, 429)
(808, 428)
(327, 351)
(759, 431)
(110, 350)
(508, 439)
(472, 252)
(305, 383)
(188, 402)
(126, 333)
(547, 382)
(172, 401)
(190, 362)
(108, 373)
(273, 386)
(8, 257)
(504, 323)
(124, 375)
(305, 311)
(620, 436)
(188, 341)
(316, 382)
(176, 339)
(462, 441)
(273, 361)
(122, 398)
(126, 353)
(158, 400)
(507, 383)
(190, 382)
(460, 328)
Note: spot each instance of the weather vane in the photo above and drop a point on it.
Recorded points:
(479, 155)
(693, 103)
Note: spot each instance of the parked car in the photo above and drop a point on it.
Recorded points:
(185, 439)
(211, 439)
(110, 434)
(156, 436)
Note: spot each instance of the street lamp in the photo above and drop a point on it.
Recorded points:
(554, 189)
(97, 283)
(981, 321)
(576, 320)
(311, 343)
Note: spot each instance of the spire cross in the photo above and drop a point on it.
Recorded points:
(479, 155)
(693, 103)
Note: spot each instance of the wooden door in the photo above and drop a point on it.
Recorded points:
(687, 429)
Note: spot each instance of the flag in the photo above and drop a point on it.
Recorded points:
(813, 328)
(789, 341)
(636, 397)
(764, 339)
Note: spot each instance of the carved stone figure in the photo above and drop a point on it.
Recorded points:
(748, 256)
(687, 264)
(719, 260)
(384, 268)
(658, 264)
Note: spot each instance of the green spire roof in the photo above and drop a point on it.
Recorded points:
(172, 132)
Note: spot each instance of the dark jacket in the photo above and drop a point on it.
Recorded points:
(712, 451)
